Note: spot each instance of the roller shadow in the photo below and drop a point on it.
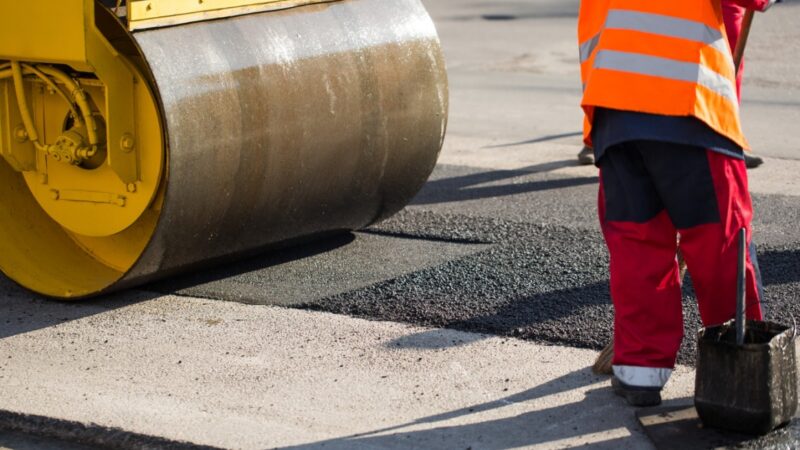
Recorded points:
(543, 426)
(260, 261)
(462, 188)
(22, 311)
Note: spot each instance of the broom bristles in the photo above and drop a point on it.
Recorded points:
(681, 266)
(602, 366)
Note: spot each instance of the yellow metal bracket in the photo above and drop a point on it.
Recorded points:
(113, 70)
(143, 14)
(15, 146)
(67, 34)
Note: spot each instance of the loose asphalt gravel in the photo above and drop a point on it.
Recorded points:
(546, 277)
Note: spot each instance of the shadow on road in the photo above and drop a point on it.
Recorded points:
(532, 317)
(22, 311)
(26, 431)
(550, 137)
(434, 340)
(594, 421)
(254, 263)
(466, 187)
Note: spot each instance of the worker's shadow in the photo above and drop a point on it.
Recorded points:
(519, 420)
(485, 184)
(530, 317)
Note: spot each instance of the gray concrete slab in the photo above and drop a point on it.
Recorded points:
(242, 376)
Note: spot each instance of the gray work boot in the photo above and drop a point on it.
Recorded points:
(637, 395)
(586, 156)
(751, 161)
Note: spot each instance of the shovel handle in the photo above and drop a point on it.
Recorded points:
(738, 52)
(740, 287)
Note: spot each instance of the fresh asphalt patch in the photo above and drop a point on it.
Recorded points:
(506, 252)
(317, 270)
(546, 283)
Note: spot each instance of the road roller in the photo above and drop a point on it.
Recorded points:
(144, 138)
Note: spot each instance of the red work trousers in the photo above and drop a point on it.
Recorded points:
(649, 193)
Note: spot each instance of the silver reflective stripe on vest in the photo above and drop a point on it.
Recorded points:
(588, 47)
(668, 26)
(667, 68)
(659, 24)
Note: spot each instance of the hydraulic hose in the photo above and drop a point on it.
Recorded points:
(22, 104)
(82, 112)
(72, 107)
(80, 98)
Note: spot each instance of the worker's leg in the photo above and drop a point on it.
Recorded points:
(645, 288)
(707, 198)
(710, 244)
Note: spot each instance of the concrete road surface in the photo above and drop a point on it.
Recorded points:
(469, 320)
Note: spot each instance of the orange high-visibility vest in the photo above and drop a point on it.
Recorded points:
(667, 57)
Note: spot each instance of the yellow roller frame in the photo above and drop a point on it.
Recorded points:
(69, 229)
(144, 14)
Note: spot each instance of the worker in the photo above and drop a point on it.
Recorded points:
(733, 14)
(662, 117)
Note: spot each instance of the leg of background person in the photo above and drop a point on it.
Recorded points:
(586, 155)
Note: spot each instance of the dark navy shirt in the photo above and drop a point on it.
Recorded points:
(612, 127)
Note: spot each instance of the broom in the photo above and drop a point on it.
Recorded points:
(604, 362)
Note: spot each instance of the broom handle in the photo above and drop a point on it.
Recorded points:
(738, 53)
(740, 287)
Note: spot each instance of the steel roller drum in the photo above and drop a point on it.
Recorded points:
(278, 127)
